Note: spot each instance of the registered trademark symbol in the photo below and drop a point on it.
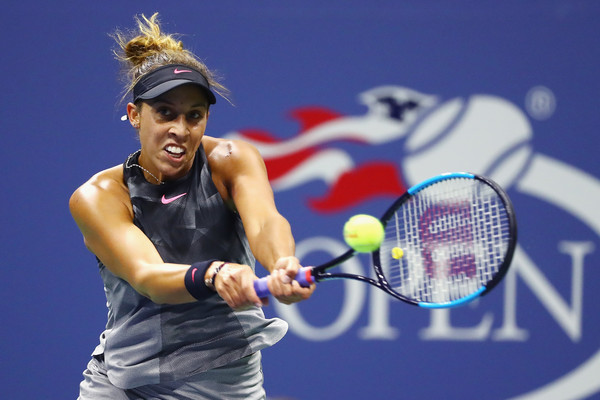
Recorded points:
(540, 103)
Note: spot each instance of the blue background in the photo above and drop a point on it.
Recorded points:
(61, 123)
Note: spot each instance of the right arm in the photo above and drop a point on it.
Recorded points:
(102, 210)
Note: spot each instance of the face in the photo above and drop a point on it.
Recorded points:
(170, 129)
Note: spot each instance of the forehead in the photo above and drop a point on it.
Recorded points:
(189, 95)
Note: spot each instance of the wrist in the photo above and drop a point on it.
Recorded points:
(195, 279)
(211, 274)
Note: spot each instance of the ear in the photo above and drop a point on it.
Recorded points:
(133, 115)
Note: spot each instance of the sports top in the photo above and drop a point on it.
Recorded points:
(148, 343)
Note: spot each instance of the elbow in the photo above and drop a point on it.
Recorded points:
(155, 296)
(160, 293)
(168, 298)
(142, 283)
(159, 300)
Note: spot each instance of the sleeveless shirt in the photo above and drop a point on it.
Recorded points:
(148, 343)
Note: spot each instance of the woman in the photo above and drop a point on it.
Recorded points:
(175, 230)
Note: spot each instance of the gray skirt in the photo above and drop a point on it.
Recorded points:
(241, 379)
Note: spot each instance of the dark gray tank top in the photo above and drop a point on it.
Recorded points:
(147, 343)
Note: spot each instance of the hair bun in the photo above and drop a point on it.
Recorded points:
(148, 48)
(138, 49)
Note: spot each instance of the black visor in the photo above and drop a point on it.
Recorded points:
(168, 77)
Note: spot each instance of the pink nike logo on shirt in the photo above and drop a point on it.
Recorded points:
(164, 200)
(180, 71)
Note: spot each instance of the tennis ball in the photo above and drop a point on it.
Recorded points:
(363, 233)
(397, 253)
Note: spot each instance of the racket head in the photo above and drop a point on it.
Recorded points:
(448, 240)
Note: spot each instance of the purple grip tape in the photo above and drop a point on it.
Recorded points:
(261, 288)
(304, 278)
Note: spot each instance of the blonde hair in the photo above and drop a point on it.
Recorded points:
(149, 48)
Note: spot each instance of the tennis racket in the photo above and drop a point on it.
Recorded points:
(448, 241)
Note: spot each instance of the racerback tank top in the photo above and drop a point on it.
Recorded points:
(148, 343)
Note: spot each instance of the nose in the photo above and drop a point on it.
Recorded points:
(179, 127)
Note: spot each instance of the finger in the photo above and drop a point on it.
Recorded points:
(230, 287)
(277, 287)
(299, 293)
(274, 283)
(305, 292)
(286, 276)
(248, 291)
(292, 267)
(227, 298)
(243, 289)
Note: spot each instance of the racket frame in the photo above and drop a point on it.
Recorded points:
(319, 273)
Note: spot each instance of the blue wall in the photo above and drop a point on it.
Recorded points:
(509, 89)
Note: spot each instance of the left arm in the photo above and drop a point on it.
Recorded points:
(240, 174)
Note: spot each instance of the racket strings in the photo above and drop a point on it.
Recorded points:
(453, 237)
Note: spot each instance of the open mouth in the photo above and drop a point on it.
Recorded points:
(175, 151)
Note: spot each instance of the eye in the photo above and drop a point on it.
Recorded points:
(165, 112)
(162, 111)
(195, 115)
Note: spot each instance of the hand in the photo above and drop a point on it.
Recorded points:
(282, 284)
(235, 284)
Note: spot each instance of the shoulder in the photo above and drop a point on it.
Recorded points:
(235, 166)
(229, 157)
(104, 189)
(220, 150)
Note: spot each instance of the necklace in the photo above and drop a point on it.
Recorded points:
(128, 165)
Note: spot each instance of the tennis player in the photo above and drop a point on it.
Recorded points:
(176, 230)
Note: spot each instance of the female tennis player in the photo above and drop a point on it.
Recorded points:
(176, 230)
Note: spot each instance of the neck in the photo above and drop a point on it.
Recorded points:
(149, 176)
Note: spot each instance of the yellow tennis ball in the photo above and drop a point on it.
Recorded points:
(363, 233)
(397, 253)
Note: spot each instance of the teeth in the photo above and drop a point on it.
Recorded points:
(174, 149)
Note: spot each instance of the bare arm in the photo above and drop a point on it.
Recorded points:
(239, 168)
(102, 210)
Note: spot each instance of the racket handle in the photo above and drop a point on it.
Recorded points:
(304, 278)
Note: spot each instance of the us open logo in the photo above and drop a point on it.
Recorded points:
(427, 135)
